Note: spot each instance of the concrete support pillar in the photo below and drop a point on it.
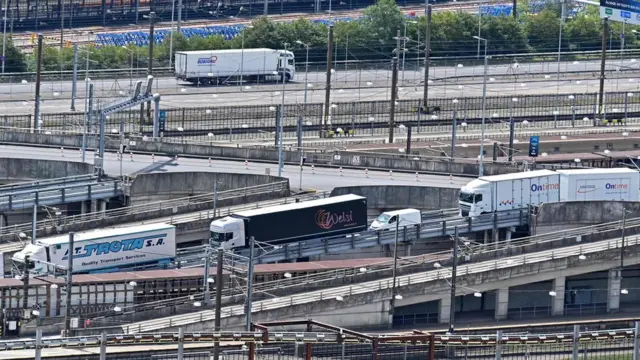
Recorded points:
(496, 235)
(103, 206)
(509, 231)
(613, 293)
(502, 303)
(3, 220)
(94, 206)
(408, 252)
(557, 301)
(83, 207)
(486, 237)
(445, 310)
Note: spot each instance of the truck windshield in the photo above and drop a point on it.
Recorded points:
(466, 197)
(384, 218)
(219, 238)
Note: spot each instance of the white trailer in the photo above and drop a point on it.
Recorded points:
(103, 250)
(219, 66)
(618, 184)
(509, 191)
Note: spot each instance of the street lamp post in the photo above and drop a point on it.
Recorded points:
(306, 86)
(280, 127)
(4, 34)
(484, 108)
(562, 15)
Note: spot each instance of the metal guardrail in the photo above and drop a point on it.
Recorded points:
(45, 182)
(260, 337)
(59, 194)
(150, 208)
(338, 293)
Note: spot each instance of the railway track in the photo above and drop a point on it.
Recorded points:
(82, 36)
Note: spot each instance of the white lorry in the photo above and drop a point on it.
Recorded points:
(219, 66)
(104, 250)
(620, 184)
(509, 191)
(489, 194)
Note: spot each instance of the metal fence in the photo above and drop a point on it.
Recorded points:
(581, 344)
(259, 122)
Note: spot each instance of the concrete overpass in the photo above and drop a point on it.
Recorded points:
(484, 269)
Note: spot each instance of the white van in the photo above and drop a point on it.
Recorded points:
(387, 220)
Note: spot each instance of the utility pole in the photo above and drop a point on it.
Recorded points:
(179, 24)
(454, 269)
(605, 35)
(215, 198)
(75, 77)
(67, 313)
(427, 57)
(394, 89)
(624, 225)
(152, 20)
(392, 304)
(327, 91)
(248, 303)
(38, 76)
(216, 348)
(25, 284)
(61, 24)
(515, 7)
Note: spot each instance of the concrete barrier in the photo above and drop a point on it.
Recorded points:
(16, 169)
(337, 159)
(569, 215)
(163, 186)
(386, 197)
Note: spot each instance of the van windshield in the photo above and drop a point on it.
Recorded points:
(469, 197)
(384, 218)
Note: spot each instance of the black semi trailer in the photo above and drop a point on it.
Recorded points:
(282, 224)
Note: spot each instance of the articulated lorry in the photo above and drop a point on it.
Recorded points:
(489, 194)
(294, 222)
(104, 250)
(219, 66)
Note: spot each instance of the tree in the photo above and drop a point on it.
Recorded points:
(543, 30)
(381, 21)
(584, 32)
(505, 35)
(14, 59)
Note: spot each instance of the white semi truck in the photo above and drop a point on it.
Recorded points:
(104, 250)
(489, 194)
(219, 66)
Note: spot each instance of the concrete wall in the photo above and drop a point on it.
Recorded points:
(14, 169)
(163, 186)
(344, 159)
(399, 197)
(574, 214)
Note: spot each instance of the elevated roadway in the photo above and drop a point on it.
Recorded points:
(449, 81)
(62, 191)
(320, 179)
(514, 265)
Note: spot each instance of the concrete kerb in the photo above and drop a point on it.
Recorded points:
(358, 161)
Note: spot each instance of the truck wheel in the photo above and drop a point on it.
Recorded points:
(287, 77)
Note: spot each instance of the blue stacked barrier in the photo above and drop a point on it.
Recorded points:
(496, 10)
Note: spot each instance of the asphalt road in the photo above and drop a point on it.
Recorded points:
(349, 85)
(323, 179)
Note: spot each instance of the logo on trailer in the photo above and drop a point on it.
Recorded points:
(327, 220)
(116, 246)
(616, 187)
(584, 189)
(544, 187)
(208, 60)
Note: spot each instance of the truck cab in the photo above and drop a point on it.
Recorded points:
(37, 254)
(228, 232)
(475, 198)
(288, 63)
